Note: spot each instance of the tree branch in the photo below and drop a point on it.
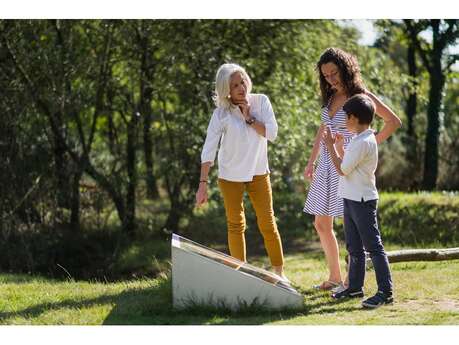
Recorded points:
(451, 33)
(413, 31)
(451, 61)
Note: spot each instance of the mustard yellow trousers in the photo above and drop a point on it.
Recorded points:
(260, 194)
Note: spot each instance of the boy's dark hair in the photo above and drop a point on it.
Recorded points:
(362, 107)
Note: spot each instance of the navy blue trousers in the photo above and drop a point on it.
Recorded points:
(362, 234)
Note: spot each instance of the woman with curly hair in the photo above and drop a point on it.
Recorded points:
(339, 76)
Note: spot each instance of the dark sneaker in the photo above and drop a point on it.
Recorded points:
(347, 293)
(378, 300)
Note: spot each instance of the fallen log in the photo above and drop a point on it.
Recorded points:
(423, 255)
(406, 255)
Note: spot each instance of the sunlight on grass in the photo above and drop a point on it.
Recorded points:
(425, 293)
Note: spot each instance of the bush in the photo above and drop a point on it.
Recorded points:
(419, 218)
(407, 219)
(411, 219)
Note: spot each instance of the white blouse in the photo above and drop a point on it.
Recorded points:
(243, 152)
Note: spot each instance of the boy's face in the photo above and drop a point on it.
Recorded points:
(351, 123)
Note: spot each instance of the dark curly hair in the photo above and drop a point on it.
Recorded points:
(349, 72)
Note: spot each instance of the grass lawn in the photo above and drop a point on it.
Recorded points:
(426, 293)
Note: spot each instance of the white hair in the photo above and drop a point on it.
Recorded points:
(222, 83)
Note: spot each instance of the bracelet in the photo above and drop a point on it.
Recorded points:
(205, 181)
(250, 121)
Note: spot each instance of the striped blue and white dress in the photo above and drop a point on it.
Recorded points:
(322, 198)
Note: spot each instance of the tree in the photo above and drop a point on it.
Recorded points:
(438, 63)
(67, 76)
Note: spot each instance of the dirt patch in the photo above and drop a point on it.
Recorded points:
(443, 305)
(447, 305)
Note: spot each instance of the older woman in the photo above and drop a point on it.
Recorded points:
(339, 76)
(239, 129)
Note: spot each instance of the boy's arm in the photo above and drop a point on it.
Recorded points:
(354, 155)
(335, 157)
(339, 145)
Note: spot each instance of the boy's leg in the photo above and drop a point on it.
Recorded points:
(260, 195)
(233, 193)
(354, 247)
(367, 224)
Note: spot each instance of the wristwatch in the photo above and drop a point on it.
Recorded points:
(250, 121)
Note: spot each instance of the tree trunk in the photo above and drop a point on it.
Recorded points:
(146, 96)
(129, 223)
(176, 211)
(411, 109)
(75, 201)
(110, 188)
(411, 104)
(152, 185)
(437, 83)
(60, 169)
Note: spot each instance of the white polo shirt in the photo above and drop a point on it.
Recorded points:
(243, 153)
(358, 166)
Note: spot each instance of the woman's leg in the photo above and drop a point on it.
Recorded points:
(232, 193)
(324, 227)
(260, 194)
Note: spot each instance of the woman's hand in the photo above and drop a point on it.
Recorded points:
(308, 172)
(244, 106)
(201, 194)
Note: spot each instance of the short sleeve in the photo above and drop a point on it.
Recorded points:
(353, 155)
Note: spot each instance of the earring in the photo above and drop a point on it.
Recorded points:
(229, 96)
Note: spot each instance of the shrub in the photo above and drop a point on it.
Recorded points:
(419, 218)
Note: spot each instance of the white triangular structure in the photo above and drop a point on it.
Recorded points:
(203, 276)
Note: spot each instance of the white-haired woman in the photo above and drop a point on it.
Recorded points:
(239, 130)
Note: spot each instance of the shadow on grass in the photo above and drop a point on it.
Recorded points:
(153, 306)
(158, 311)
(258, 315)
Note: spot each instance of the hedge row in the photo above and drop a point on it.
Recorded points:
(419, 218)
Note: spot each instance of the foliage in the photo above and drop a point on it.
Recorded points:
(103, 123)
(420, 219)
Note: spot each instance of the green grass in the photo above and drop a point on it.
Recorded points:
(425, 293)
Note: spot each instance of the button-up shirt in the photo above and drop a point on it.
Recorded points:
(358, 166)
(243, 153)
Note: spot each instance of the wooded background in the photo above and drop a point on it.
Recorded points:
(102, 124)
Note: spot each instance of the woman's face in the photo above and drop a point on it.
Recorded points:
(238, 88)
(331, 74)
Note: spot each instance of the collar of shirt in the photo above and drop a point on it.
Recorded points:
(365, 133)
(234, 109)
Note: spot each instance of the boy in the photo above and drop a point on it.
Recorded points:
(357, 187)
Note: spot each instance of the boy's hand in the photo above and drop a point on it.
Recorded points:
(328, 137)
(339, 142)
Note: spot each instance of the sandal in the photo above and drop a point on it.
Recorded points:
(284, 279)
(327, 285)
